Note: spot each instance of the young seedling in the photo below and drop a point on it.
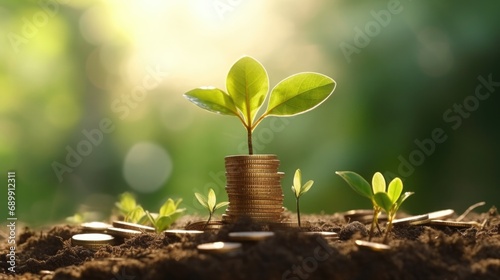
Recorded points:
(210, 203)
(389, 200)
(299, 189)
(247, 87)
(134, 213)
(167, 215)
(128, 207)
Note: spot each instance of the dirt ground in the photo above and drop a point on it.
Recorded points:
(417, 252)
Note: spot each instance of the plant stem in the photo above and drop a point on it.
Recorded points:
(208, 221)
(249, 135)
(374, 222)
(388, 229)
(298, 211)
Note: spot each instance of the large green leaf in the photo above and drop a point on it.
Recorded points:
(402, 199)
(297, 182)
(202, 200)
(358, 183)
(299, 93)
(306, 187)
(213, 100)
(247, 84)
(378, 182)
(383, 201)
(211, 200)
(126, 203)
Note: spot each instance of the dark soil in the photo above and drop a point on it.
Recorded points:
(417, 252)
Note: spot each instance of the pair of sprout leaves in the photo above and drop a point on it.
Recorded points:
(168, 213)
(247, 86)
(382, 197)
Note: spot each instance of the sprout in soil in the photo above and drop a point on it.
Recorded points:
(389, 200)
(129, 208)
(134, 213)
(247, 87)
(299, 189)
(169, 212)
(210, 203)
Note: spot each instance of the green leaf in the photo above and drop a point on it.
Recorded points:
(383, 201)
(247, 83)
(202, 200)
(212, 199)
(221, 204)
(358, 183)
(401, 199)
(299, 93)
(297, 182)
(151, 219)
(395, 189)
(378, 183)
(169, 207)
(135, 215)
(307, 186)
(126, 203)
(213, 100)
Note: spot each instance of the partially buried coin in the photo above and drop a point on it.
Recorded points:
(95, 227)
(138, 227)
(325, 234)
(181, 232)
(91, 240)
(455, 224)
(122, 232)
(442, 214)
(413, 220)
(373, 246)
(250, 235)
(219, 247)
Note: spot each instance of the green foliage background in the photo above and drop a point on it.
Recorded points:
(64, 74)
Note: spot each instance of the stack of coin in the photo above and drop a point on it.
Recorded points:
(254, 188)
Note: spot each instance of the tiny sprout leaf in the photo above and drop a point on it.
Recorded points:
(395, 189)
(299, 93)
(383, 200)
(401, 199)
(135, 215)
(213, 100)
(169, 207)
(356, 182)
(307, 186)
(297, 182)
(126, 203)
(211, 199)
(202, 200)
(378, 183)
(221, 204)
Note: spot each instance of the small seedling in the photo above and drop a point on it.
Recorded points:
(389, 200)
(210, 203)
(167, 215)
(247, 86)
(299, 189)
(134, 213)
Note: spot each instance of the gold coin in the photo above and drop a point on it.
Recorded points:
(373, 246)
(181, 232)
(255, 211)
(250, 235)
(325, 234)
(95, 227)
(91, 240)
(413, 220)
(454, 224)
(123, 232)
(235, 172)
(138, 227)
(263, 156)
(442, 214)
(219, 247)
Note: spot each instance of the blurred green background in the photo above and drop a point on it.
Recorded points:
(91, 99)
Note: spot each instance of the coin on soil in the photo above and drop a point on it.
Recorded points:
(122, 232)
(442, 214)
(250, 235)
(219, 247)
(455, 224)
(373, 246)
(413, 220)
(95, 227)
(133, 226)
(91, 240)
